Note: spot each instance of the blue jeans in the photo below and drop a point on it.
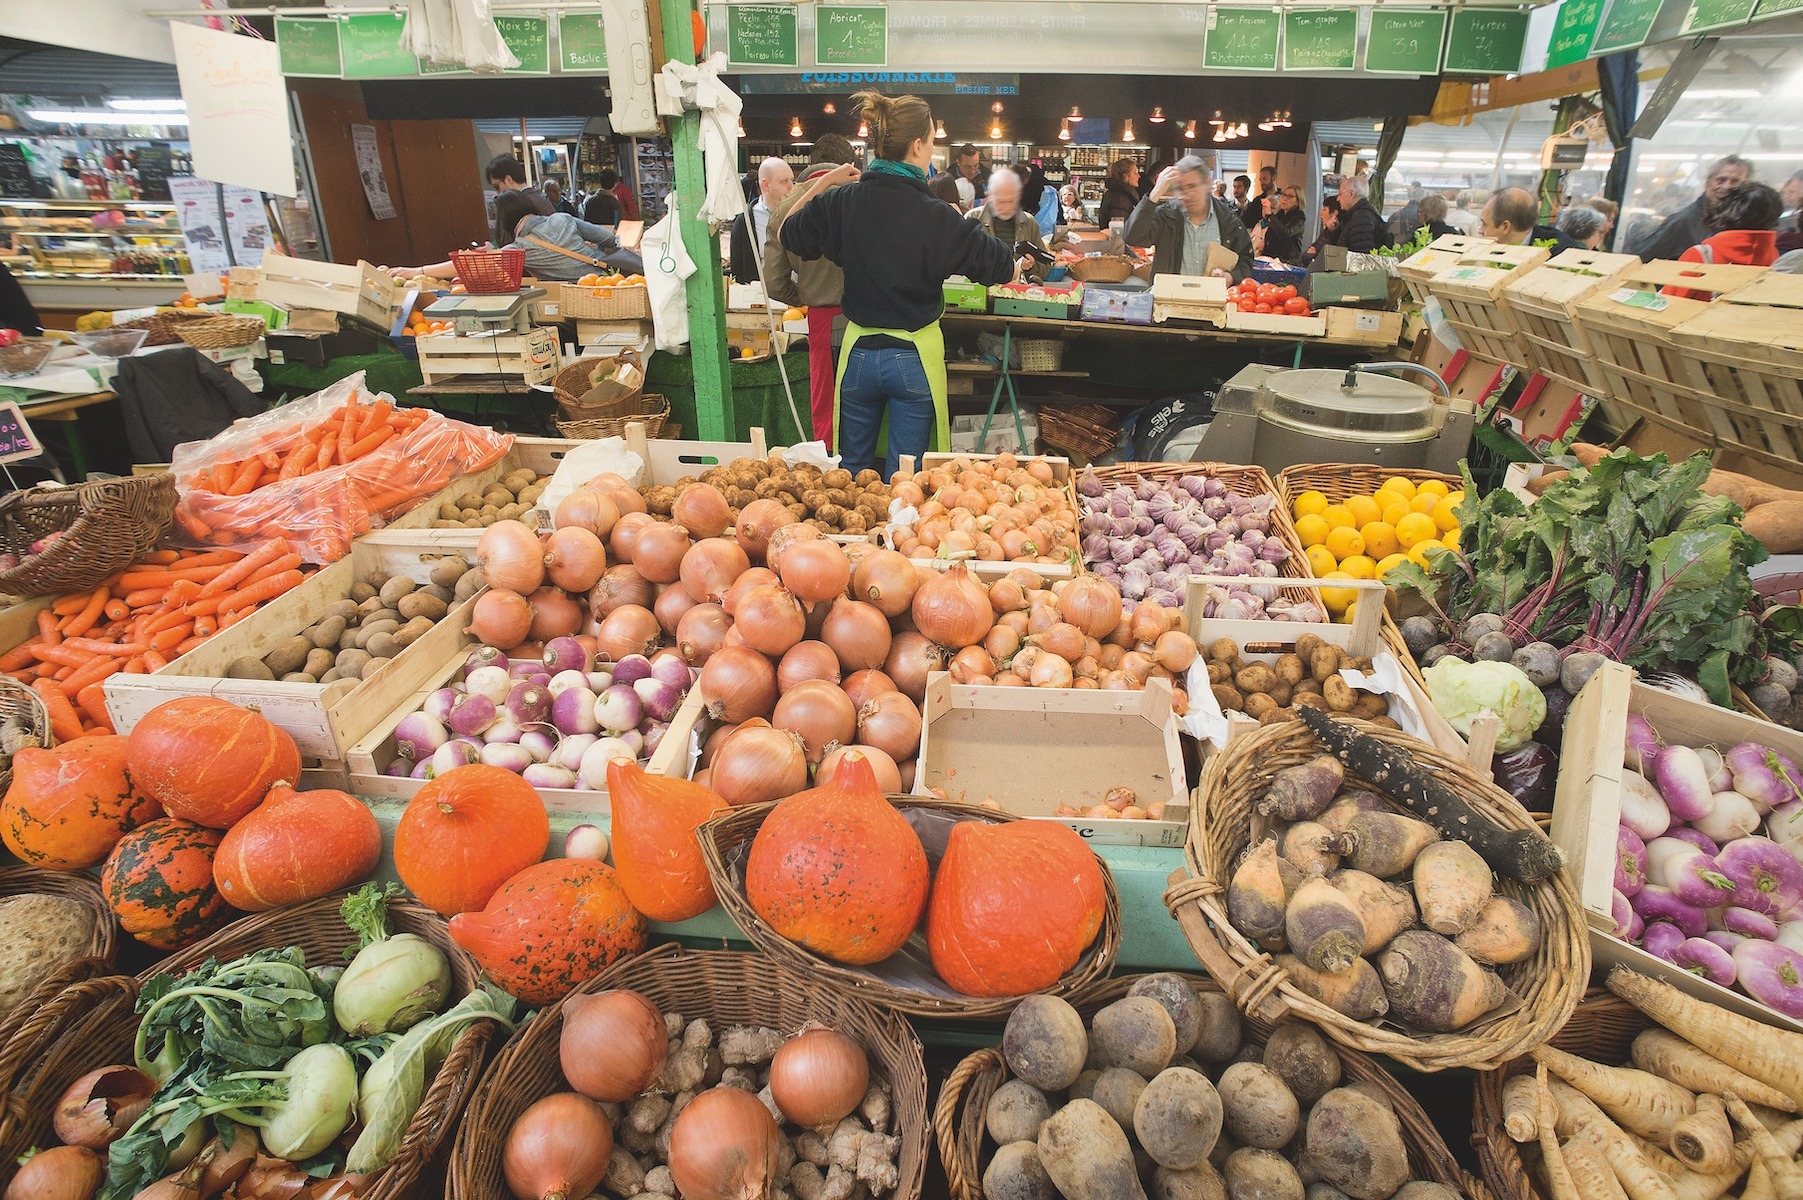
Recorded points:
(892, 380)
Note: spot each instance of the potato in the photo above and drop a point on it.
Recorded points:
(469, 500)
(40, 934)
(1258, 705)
(1200, 1182)
(328, 631)
(347, 640)
(300, 677)
(1044, 1043)
(1252, 1174)
(361, 592)
(512, 512)
(1015, 1112)
(1356, 1144)
(370, 629)
(447, 571)
(1117, 1090)
(1281, 694)
(371, 604)
(383, 645)
(471, 583)
(346, 610)
(412, 631)
(248, 668)
(1324, 664)
(488, 514)
(284, 658)
(1303, 1059)
(1325, 1191)
(1087, 1156)
(332, 676)
(1307, 644)
(447, 511)
(319, 661)
(1370, 705)
(419, 604)
(1175, 995)
(1339, 694)
(1178, 1118)
(1258, 1107)
(1223, 649)
(395, 589)
(1228, 697)
(1254, 678)
(1289, 669)
(438, 591)
(350, 662)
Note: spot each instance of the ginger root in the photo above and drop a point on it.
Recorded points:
(658, 1180)
(874, 1108)
(743, 1045)
(870, 1156)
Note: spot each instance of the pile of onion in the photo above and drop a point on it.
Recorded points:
(995, 510)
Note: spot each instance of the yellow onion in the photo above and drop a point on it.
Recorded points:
(971, 664)
(502, 618)
(710, 567)
(952, 609)
(59, 1173)
(818, 1078)
(887, 772)
(1061, 638)
(820, 713)
(559, 1149)
(1001, 643)
(612, 1044)
(658, 551)
(620, 585)
(891, 723)
(769, 619)
(864, 686)
(724, 1146)
(1050, 671)
(585, 509)
(759, 763)
(702, 510)
(101, 1105)
(1091, 604)
(857, 632)
(757, 521)
(1174, 651)
(625, 534)
(815, 570)
(886, 579)
(1005, 595)
(754, 578)
(1148, 622)
(510, 557)
(737, 684)
(911, 657)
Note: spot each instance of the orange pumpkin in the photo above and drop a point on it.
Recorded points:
(296, 846)
(209, 761)
(838, 870)
(159, 883)
(654, 847)
(552, 926)
(68, 807)
(1014, 906)
(465, 833)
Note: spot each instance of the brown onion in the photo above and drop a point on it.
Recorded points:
(858, 633)
(701, 633)
(1091, 604)
(888, 775)
(1063, 639)
(272, 1178)
(658, 552)
(886, 579)
(804, 661)
(510, 557)
(222, 1165)
(759, 763)
(711, 566)
(770, 619)
(1016, 620)
(1009, 679)
(338, 1187)
(1137, 666)
(785, 537)
(1001, 643)
(627, 630)
(606, 481)
(574, 559)
(738, 684)
(1041, 619)
(911, 658)
(625, 534)
(952, 609)
(554, 614)
(970, 664)
(715, 740)
(891, 723)
(865, 686)
(1005, 595)
(757, 521)
(755, 577)
(558, 1149)
(59, 1173)
(101, 1105)
(820, 713)
(907, 771)
(585, 509)
(619, 586)
(501, 618)
(1148, 623)
(815, 570)
(702, 510)
(673, 601)
(626, 498)
(1122, 634)
(1174, 651)
(818, 1078)
(1050, 671)
(612, 1044)
(724, 1146)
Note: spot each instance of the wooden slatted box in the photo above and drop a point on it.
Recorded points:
(1748, 345)
(1470, 293)
(1441, 253)
(1544, 304)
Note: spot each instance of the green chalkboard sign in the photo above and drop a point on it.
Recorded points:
(1405, 41)
(1573, 32)
(1241, 39)
(1486, 42)
(1774, 8)
(761, 35)
(309, 48)
(1625, 25)
(581, 43)
(847, 35)
(1705, 15)
(373, 46)
(530, 40)
(1320, 39)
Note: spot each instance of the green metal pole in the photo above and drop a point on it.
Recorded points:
(708, 354)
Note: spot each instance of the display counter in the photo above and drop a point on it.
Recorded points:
(60, 301)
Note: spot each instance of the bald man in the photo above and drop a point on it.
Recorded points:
(1513, 215)
(775, 179)
(1001, 217)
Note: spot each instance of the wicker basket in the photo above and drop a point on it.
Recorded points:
(221, 333)
(656, 411)
(575, 381)
(1225, 823)
(164, 325)
(1602, 1029)
(963, 1147)
(894, 983)
(97, 954)
(1102, 268)
(490, 272)
(1088, 429)
(607, 302)
(93, 1023)
(1040, 354)
(106, 525)
(726, 988)
(17, 700)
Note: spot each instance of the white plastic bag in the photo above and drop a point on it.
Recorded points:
(667, 267)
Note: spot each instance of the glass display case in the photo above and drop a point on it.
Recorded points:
(85, 239)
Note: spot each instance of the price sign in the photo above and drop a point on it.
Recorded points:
(1486, 42)
(1405, 41)
(16, 439)
(1241, 39)
(1320, 39)
(761, 36)
(1705, 15)
(582, 43)
(851, 35)
(1626, 24)
(309, 48)
(373, 46)
(1573, 32)
(530, 40)
(1773, 8)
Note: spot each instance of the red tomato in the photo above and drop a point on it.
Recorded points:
(9, 337)
(1296, 306)
(1261, 308)
(1287, 292)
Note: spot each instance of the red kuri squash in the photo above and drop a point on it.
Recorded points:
(465, 833)
(296, 846)
(68, 807)
(159, 883)
(209, 761)
(654, 847)
(838, 870)
(1014, 906)
(552, 926)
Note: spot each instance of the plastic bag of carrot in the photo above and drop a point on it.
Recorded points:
(321, 470)
(138, 621)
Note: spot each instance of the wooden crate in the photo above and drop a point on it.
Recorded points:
(1198, 298)
(1470, 293)
(1544, 304)
(1441, 253)
(1061, 477)
(1748, 345)
(1362, 326)
(1587, 807)
(1280, 323)
(371, 757)
(535, 356)
(361, 291)
(1241, 481)
(1629, 328)
(325, 719)
(974, 746)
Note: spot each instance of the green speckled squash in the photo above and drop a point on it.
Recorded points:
(552, 926)
(159, 883)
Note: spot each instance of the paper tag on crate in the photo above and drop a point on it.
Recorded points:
(585, 462)
(1633, 298)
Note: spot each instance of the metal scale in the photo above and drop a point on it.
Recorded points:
(507, 313)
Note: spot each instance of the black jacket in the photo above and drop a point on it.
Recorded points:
(1253, 210)
(898, 244)
(1676, 234)
(177, 396)
(1362, 228)
(744, 261)
(1283, 235)
(601, 209)
(1161, 227)
(1117, 203)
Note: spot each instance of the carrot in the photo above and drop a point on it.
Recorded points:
(299, 461)
(1772, 1056)
(151, 660)
(1670, 1056)
(346, 435)
(47, 627)
(93, 703)
(327, 449)
(264, 589)
(167, 620)
(22, 656)
(64, 722)
(1787, 1177)
(84, 620)
(288, 562)
(163, 577)
(1704, 1141)
(71, 604)
(205, 626)
(1638, 1100)
(383, 501)
(94, 672)
(157, 558)
(246, 477)
(188, 645)
(136, 667)
(370, 443)
(117, 610)
(193, 525)
(226, 580)
(95, 646)
(172, 636)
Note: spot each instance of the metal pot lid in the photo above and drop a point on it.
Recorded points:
(1376, 407)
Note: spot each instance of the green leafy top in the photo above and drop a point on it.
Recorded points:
(366, 912)
(1406, 249)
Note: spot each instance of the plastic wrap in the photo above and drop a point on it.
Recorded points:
(260, 478)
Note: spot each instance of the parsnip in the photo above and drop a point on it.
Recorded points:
(1704, 1141)
(1759, 1184)
(1769, 1055)
(1666, 1054)
(1787, 1176)
(1638, 1100)
(1558, 1172)
(1521, 1104)
(1589, 1125)
(1591, 1173)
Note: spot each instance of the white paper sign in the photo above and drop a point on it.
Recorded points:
(369, 167)
(247, 225)
(237, 108)
(203, 224)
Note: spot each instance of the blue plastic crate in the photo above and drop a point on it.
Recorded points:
(1280, 275)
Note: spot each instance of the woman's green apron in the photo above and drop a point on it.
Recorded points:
(929, 343)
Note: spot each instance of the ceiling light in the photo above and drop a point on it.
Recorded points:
(99, 116)
(1157, 117)
(741, 128)
(1064, 130)
(863, 129)
(996, 108)
(829, 108)
(795, 127)
(939, 132)
(1127, 130)
(1076, 113)
(1189, 131)
(1267, 125)
(1244, 132)
(995, 131)
(149, 105)
(1220, 136)
(1216, 119)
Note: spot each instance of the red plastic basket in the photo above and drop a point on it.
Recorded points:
(490, 272)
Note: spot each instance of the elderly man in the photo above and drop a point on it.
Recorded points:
(816, 284)
(1362, 228)
(1692, 223)
(775, 178)
(559, 202)
(1002, 218)
(1182, 230)
(1584, 225)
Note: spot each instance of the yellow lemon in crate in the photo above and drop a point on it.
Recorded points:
(1433, 487)
(1359, 566)
(1418, 552)
(1338, 599)
(1451, 540)
(1396, 483)
(1390, 562)
(1312, 528)
(1394, 508)
(1320, 561)
(1380, 539)
(1310, 501)
(1344, 542)
(1424, 503)
(1446, 515)
(1350, 615)
(1364, 509)
(1340, 517)
(1416, 527)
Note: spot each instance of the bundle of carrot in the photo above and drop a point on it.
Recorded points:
(136, 621)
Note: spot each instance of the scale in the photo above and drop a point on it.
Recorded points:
(509, 313)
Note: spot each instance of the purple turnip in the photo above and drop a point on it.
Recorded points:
(1643, 745)
(1771, 974)
(659, 698)
(1790, 933)
(672, 670)
(1661, 938)
(567, 654)
(1727, 939)
(564, 680)
(1659, 906)
(484, 656)
(1748, 923)
(509, 756)
(631, 669)
(440, 703)
(505, 729)
(1691, 875)
(1720, 777)
(1683, 782)
(1766, 877)
(1628, 924)
(1630, 862)
(1695, 837)
(1733, 816)
(1764, 776)
(1702, 957)
(573, 712)
(417, 735)
(539, 744)
(1641, 808)
(619, 707)
(473, 715)
(453, 754)
(544, 775)
(568, 754)
(492, 683)
(528, 703)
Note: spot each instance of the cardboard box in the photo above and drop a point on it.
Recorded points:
(961, 295)
(1355, 289)
(1117, 305)
(1054, 301)
(1200, 298)
(361, 292)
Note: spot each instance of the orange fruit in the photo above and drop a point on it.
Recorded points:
(1343, 542)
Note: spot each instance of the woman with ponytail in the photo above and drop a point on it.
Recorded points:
(897, 245)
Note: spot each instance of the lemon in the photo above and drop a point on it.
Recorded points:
(1344, 542)
(1396, 510)
(1340, 517)
(1309, 502)
(1350, 615)
(1390, 562)
(1446, 516)
(1359, 566)
(1338, 599)
(1418, 552)
(1416, 527)
(1433, 487)
(1424, 503)
(1380, 539)
(1312, 528)
(1397, 483)
(1451, 540)
(1320, 562)
(1364, 509)
(1457, 497)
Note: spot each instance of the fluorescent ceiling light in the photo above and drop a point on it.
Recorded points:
(96, 116)
(149, 105)
(1724, 94)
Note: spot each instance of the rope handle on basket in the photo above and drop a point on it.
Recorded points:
(1252, 987)
(33, 1037)
(945, 1119)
